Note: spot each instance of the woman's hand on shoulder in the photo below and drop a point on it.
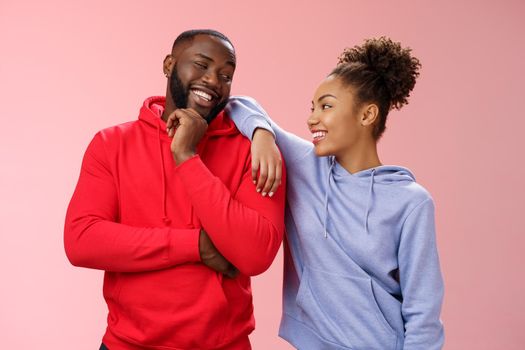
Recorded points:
(266, 163)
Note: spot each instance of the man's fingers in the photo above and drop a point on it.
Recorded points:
(193, 113)
(212, 258)
(216, 262)
(180, 117)
(169, 122)
(172, 122)
(232, 272)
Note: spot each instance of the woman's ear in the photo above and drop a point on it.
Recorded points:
(369, 114)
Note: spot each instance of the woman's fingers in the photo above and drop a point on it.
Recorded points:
(270, 179)
(255, 169)
(263, 175)
(278, 178)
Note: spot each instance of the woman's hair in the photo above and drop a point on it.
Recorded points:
(382, 72)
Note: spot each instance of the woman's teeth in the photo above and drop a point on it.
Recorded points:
(318, 135)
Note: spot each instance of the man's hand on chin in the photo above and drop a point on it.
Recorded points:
(191, 127)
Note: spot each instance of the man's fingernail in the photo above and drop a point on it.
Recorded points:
(270, 194)
(264, 194)
(258, 190)
(254, 182)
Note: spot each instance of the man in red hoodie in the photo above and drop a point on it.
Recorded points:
(173, 219)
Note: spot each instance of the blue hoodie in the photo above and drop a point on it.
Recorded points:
(361, 262)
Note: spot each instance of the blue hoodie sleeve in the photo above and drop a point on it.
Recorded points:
(248, 116)
(420, 279)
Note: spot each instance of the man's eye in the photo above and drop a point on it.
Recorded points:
(226, 78)
(201, 65)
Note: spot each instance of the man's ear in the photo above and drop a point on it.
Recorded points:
(167, 66)
(369, 114)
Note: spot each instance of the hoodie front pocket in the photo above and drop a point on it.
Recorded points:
(343, 310)
(168, 308)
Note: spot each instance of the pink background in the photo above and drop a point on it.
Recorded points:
(70, 68)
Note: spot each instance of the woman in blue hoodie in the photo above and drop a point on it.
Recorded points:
(361, 263)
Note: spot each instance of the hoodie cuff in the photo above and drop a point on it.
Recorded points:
(184, 246)
(194, 174)
(254, 122)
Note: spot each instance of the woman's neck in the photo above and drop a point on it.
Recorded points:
(362, 156)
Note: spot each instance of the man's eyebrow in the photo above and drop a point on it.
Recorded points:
(203, 56)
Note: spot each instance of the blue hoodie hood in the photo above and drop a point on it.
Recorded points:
(384, 174)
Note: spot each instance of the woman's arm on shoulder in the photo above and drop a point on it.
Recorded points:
(254, 123)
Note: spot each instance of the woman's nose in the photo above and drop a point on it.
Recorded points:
(312, 120)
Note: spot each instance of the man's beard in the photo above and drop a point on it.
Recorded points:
(180, 95)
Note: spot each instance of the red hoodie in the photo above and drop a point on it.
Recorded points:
(137, 216)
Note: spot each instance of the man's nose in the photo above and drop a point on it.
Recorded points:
(211, 78)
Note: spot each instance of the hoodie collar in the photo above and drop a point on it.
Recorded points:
(383, 174)
(153, 107)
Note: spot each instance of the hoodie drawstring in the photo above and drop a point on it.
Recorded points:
(165, 217)
(332, 163)
(369, 201)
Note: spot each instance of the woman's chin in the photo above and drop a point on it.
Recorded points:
(320, 152)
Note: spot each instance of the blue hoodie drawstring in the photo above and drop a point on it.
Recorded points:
(369, 201)
(332, 161)
(165, 217)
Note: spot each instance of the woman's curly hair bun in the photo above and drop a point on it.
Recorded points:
(394, 65)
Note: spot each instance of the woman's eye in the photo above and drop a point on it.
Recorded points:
(326, 106)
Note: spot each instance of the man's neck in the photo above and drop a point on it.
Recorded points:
(168, 108)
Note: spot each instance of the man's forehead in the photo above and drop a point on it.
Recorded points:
(203, 44)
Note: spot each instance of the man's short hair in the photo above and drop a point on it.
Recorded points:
(190, 34)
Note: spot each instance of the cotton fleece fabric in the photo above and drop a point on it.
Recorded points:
(361, 263)
(137, 215)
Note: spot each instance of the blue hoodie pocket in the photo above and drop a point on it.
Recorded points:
(343, 310)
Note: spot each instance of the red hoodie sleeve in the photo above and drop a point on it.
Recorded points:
(93, 237)
(246, 228)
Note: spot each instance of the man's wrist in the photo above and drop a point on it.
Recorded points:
(181, 157)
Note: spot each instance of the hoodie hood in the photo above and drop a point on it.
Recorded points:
(151, 113)
(153, 107)
(384, 174)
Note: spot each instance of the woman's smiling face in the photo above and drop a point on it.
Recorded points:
(334, 123)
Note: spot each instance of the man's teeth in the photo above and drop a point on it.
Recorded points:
(319, 134)
(202, 94)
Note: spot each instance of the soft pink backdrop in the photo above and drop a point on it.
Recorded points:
(70, 68)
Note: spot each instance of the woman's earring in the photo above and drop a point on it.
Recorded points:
(166, 75)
